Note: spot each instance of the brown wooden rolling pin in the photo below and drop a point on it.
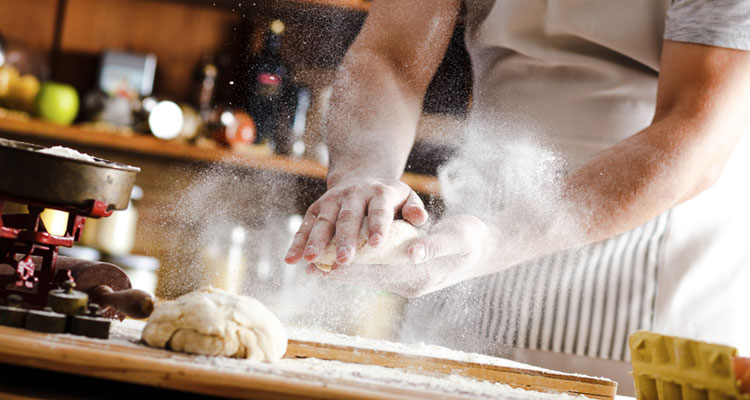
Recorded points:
(108, 286)
(134, 303)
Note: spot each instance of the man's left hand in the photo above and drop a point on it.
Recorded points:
(453, 251)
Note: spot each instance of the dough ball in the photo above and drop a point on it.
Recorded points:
(216, 323)
(393, 251)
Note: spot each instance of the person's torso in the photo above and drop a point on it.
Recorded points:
(582, 73)
(574, 77)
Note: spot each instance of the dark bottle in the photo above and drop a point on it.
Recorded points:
(268, 83)
(204, 79)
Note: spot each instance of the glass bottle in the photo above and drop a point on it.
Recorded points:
(269, 79)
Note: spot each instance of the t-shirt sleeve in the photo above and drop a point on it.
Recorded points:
(721, 23)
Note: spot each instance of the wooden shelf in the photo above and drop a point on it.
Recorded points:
(353, 5)
(358, 5)
(255, 157)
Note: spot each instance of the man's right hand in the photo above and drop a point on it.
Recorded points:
(341, 210)
(375, 105)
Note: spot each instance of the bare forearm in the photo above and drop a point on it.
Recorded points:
(372, 119)
(378, 92)
(700, 117)
(646, 175)
(701, 114)
(371, 124)
(619, 189)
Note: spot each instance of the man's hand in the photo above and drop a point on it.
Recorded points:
(340, 211)
(376, 102)
(456, 249)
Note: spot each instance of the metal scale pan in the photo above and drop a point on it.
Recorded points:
(54, 180)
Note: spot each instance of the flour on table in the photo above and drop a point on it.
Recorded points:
(216, 323)
(392, 252)
(316, 372)
(412, 349)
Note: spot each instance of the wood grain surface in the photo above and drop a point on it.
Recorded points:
(125, 362)
(528, 379)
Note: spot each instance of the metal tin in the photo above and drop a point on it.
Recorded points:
(62, 181)
(46, 321)
(90, 326)
(13, 313)
(68, 301)
(12, 316)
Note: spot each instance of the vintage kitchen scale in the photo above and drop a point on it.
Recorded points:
(39, 290)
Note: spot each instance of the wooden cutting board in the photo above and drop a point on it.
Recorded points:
(127, 362)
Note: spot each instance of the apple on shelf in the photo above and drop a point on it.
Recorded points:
(57, 102)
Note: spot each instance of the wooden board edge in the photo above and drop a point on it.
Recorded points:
(522, 378)
(157, 368)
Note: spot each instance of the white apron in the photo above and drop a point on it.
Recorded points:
(573, 77)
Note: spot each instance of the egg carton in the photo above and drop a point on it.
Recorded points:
(673, 368)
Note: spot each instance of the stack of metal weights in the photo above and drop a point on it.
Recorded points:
(67, 311)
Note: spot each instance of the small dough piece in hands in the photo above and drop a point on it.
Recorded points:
(216, 323)
(393, 251)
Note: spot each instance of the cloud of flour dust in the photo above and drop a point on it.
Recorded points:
(511, 179)
(204, 220)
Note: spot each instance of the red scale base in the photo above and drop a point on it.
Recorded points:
(24, 235)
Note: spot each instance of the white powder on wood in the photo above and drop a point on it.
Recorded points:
(417, 349)
(316, 372)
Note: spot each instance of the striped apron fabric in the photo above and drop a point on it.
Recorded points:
(575, 77)
(584, 302)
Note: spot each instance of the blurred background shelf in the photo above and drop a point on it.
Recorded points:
(255, 156)
(73, 33)
(352, 5)
(359, 5)
(194, 196)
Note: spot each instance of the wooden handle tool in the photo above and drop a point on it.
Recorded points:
(108, 286)
(134, 303)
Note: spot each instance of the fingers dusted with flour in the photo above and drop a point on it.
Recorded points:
(322, 230)
(379, 219)
(455, 250)
(384, 205)
(461, 235)
(348, 226)
(339, 214)
(294, 254)
(413, 210)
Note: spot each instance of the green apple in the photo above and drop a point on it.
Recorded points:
(57, 102)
